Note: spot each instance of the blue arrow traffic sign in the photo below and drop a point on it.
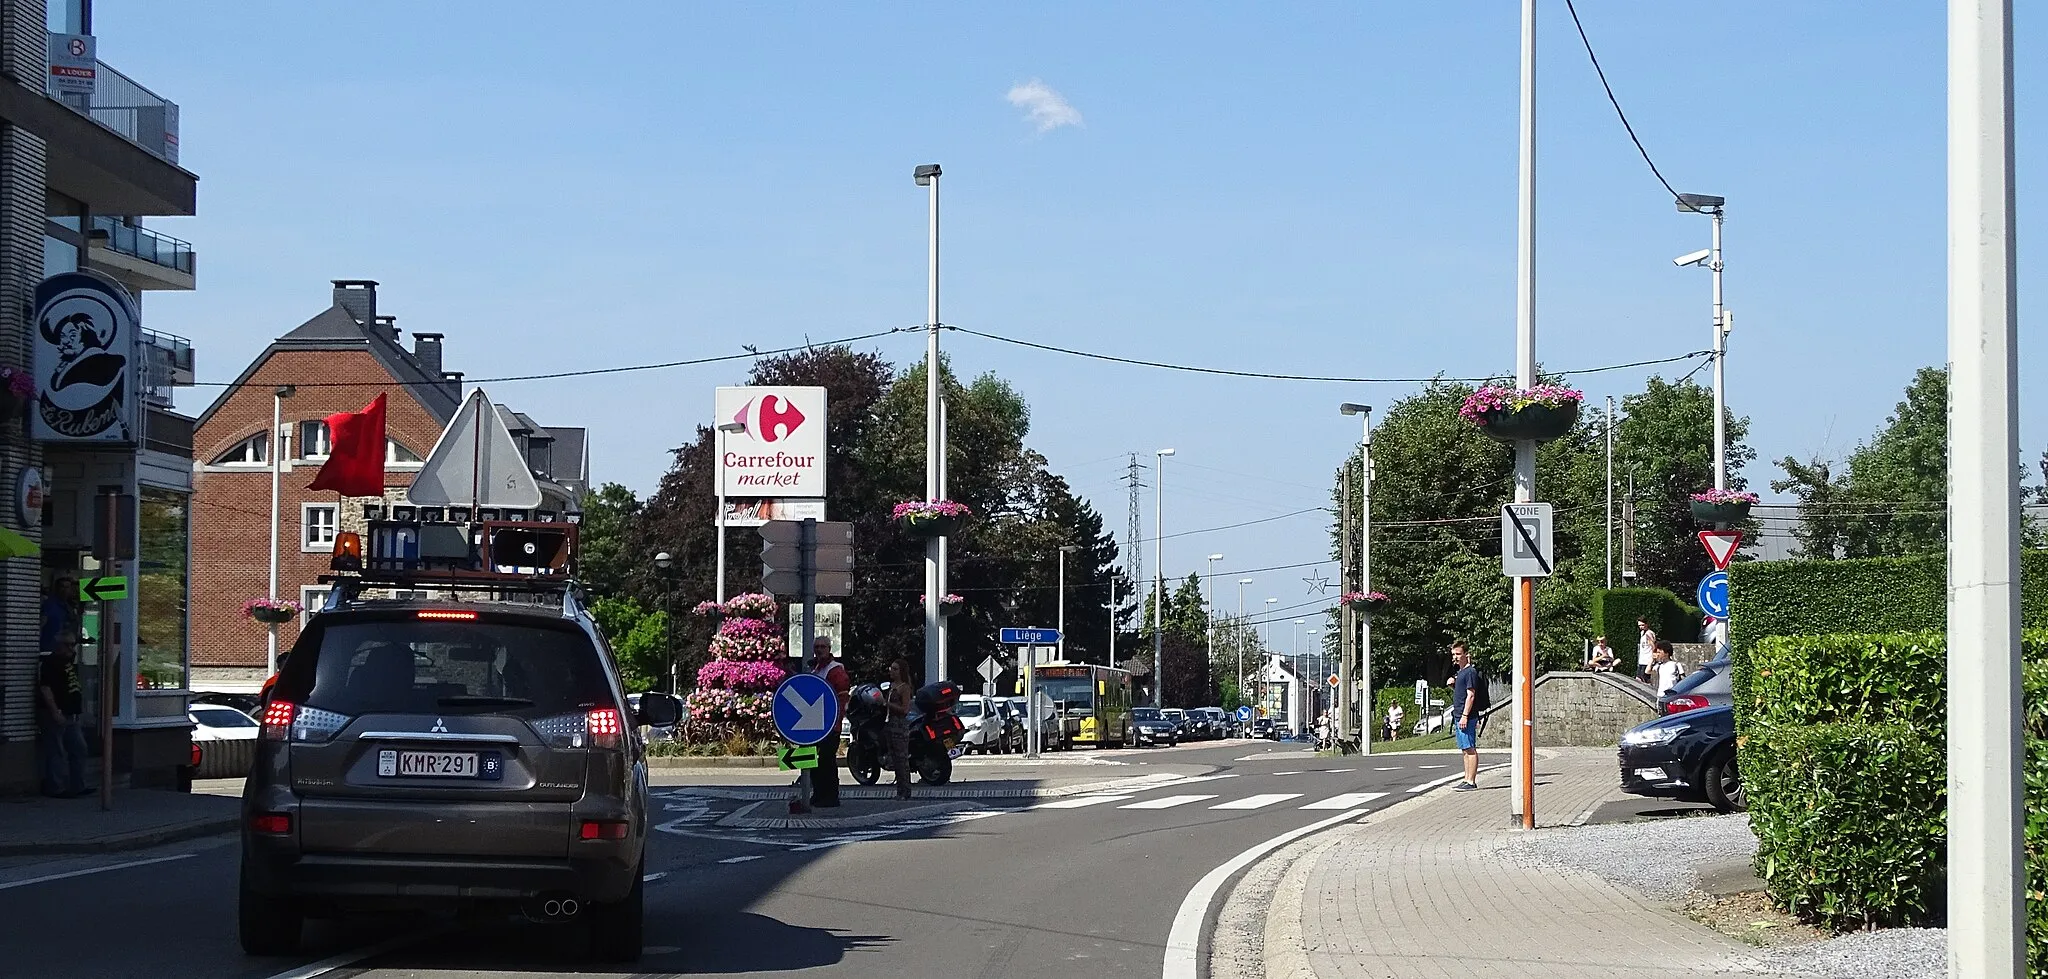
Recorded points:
(1030, 637)
(1713, 594)
(1244, 713)
(806, 709)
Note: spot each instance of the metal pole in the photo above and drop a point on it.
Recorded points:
(719, 592)
(1034, 743)
(276, 441)
(1062, 647)
(1987, 933)
(1523, 799)
(1365, 577)
(1209, 610)
(945, 582)
(934, 667)
(1720, 360)
(1610, 491)
(1159, 582)
(1241, 698)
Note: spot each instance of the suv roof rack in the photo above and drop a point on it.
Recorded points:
(496, 559)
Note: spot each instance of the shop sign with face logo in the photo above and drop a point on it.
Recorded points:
(86, 337)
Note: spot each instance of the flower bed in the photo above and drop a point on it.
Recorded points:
(931, 518)
(735, 691)
(1541, 413)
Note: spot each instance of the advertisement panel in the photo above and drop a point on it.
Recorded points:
(86, 344)
(779, 450)
(754, 513)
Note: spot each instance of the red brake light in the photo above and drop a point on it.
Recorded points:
(605, 727)
(601, 829)
(196, 755)
(447, 615)
(272, 822)
(1679, 705)
(277, 719)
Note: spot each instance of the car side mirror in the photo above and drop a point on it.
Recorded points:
(658, 710)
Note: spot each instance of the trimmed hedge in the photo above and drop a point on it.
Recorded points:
(2034, 676)
(1814, 598)
(1615, 611)
(1855, 828)
(1868, 678)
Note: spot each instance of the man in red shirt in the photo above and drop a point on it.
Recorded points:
(825, 778)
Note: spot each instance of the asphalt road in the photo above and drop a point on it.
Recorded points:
(1084, 884)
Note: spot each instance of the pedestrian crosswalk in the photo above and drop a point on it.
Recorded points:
(1258, 801)
(1346, 800)
(1167, 802)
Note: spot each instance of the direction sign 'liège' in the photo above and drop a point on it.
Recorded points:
(1029, 637)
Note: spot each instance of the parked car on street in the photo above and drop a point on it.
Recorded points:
(248, 703)
(1152, 728)
(226, 738)
(1688, 755)
(986, 723)
(1050, 731)
(666, 732)
(1712, 685)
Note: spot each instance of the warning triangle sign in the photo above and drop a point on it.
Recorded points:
(476, 464)
(1721, 545)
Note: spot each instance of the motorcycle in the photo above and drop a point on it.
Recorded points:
(935, 732)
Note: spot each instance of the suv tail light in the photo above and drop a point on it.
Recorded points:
(286, 721)
(600, 728)
(1679, 705)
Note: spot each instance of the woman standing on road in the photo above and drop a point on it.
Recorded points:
(899, 725)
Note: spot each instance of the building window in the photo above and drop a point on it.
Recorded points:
(251, 451)
(162, 628)
(395, 454)
(313, 440)
(316, 527)
(311, 597)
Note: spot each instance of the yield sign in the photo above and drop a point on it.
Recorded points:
(1721, 545)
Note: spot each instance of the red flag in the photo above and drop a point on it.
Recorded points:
(355, 456)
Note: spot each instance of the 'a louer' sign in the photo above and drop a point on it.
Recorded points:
(781, 449)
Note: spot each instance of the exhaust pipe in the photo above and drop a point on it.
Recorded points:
(553, 909)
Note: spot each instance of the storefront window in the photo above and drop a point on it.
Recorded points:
(162, 588)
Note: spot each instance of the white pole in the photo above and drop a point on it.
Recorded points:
(1365, 723)
(1241, 698)
(945, 579)
(1061, 647)
(1987, 934)
(1525, 377)
(1610, 491)
(719, 470)
(934, 666)
(1720, 362)
(276, 441)
(1210, 611)
(1159, 581)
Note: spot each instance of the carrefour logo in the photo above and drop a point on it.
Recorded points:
(773, 418)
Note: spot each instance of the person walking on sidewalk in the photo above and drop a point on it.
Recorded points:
(1468, 696)
(1664, 670)
(825, 778)
(60, 698)
(899, 700)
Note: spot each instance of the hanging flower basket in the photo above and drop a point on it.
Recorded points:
(949, 604)
(709, 610)
(1722, 506)
(931, 518)
(1542, 413)
(272, 611)
(1364, 602)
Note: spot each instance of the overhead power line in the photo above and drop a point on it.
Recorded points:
(1609, 89)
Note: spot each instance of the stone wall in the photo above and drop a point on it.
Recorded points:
(1582, 710)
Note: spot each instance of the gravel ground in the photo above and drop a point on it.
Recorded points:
(1655, 858)
(1897, 953)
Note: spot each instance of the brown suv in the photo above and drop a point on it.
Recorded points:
(465, 756)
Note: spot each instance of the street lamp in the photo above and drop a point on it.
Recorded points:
(276, 440)
(1210, 610)
(662, 562)
(1241, 582)
(1711, 260)
(1065, 549)
(1265, 644)
(723, 430)
(1159, 582)
(1298, 703)
(927, 175)
(1364, 582)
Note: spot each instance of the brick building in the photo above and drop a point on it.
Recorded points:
(337, 361)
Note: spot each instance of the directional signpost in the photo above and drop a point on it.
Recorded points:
(806, 712)
(1713, 594)
(807, 558)
(1031, 639)
(797, 756)
(107, 589)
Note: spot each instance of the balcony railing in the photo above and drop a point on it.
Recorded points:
(142, 243)
(123, 105)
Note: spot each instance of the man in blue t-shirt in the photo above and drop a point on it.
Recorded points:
(1467, 696)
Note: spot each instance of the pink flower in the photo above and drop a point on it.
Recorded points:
(926, 509)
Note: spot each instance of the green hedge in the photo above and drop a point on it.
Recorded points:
(1385, 697)
(1813, 598)
(1875, 679)
(1615, 611)
(1853, 831)
(2034, 677)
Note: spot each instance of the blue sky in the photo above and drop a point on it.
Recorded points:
(1306, 187)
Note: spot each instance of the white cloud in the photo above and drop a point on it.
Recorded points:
(1043, 107)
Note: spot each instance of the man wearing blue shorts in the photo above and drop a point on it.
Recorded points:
(1466, 692)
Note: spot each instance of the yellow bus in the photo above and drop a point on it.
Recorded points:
(1092, 702)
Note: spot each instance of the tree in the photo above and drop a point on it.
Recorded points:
(1898, 481)
(639, 639)
(1824, 512)
(1666, 439)
(608, 516)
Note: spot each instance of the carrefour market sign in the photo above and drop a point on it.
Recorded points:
(779, 447)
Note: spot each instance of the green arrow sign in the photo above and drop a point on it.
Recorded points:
(797, 756)
(102, 589)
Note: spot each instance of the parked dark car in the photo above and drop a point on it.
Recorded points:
(1150, 728)
(1688, 756)
(248, 703)
(1709, 686)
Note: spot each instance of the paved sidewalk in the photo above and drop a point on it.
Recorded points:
(1417, 892)
(140, 818)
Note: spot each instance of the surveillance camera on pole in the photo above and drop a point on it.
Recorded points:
(1693, 258)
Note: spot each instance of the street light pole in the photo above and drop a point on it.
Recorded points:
(277, 450)
(1986, 879)
(1364, 574)
(1065, 549)
(927, 175)
(1524, 759)
(1716, 207)
(1241, 582)
(1210, 611)
(662, 562)
(1610, 492)
(723, 430)
(1159, 581)
(1265, 645)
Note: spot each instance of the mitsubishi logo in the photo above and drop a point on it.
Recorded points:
(440, 727)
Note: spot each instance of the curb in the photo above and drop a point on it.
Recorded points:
(137, 840)
(711, 761)
(739, 818)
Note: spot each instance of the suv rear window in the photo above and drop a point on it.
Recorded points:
(404, 665)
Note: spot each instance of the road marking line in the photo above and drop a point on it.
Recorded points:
(1345, 801)
(1389, 768)
(651, 878)
(1446, 780)
(331, 963)
(1257, 801)
(1428, 767)
(1284, 773)
(744, 859)
(1078, 801)
(1168, 802)
(96, 870)
(1184, 939)
(1338, 771)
